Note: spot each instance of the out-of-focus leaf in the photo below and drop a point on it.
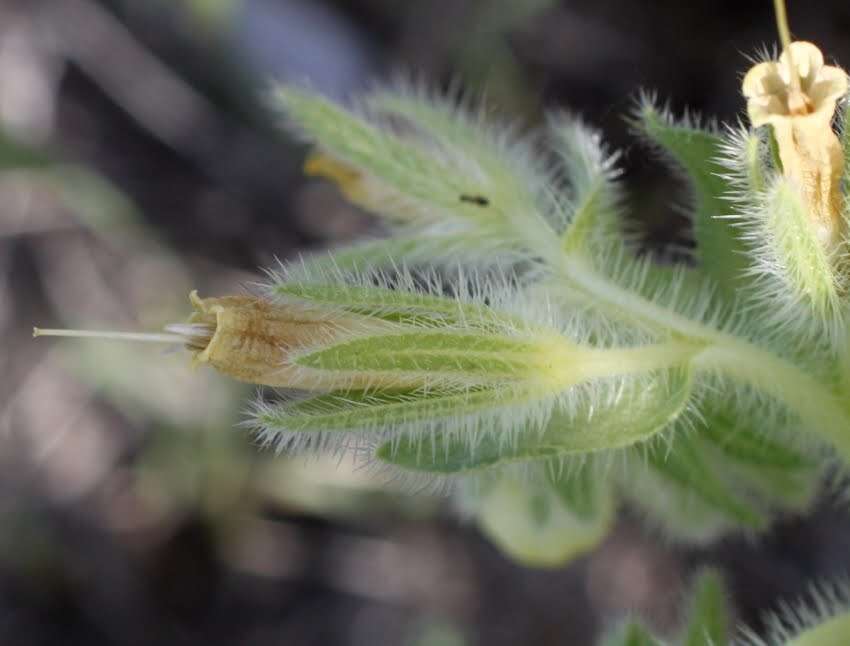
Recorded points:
(534, 524)
(708, 616)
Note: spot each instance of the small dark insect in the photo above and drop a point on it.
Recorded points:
(480, 200)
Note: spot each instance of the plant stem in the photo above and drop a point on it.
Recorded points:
(782, 23)
(727, 354)
(630, 306)
(785, 38)
(614, 362)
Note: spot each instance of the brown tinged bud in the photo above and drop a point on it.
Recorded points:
(254, 340)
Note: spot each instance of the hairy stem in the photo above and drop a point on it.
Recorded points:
(611, 362)
(729, 355)
(631, 307)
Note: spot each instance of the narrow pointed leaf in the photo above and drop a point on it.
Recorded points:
(592, 173)
(480, 357)
(383, 412)
(401, 164)
(697, 152)
(645, 407)
(409, 307)
(507, 163)
(760, 470)
(684, 467)
(580, 491)
(488, 184)
(741, 443)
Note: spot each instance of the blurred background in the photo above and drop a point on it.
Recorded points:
(139, 160)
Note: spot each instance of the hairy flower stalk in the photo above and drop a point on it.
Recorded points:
(480, 356)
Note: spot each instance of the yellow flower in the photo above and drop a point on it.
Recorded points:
(796, 96)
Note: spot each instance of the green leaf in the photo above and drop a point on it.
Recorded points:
(748, 165)
(683, 466)
(413, 165)
(401, 164)
(708, 617)
(745, 445)
(532, 523)
(591, 170)
(644, 407)
(482, 179)
(409, 248)
(515, 176)
(462, 355)
(409, 307)
(739, 442)
(578, 490)
(759, 467)
(696, 152)
(383, 411)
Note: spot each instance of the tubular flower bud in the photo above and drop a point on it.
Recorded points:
(254, 340)
(797, 95)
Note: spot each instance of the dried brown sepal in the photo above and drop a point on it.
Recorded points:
(254, 340)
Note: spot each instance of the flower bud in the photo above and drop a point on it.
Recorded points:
(254, 340)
